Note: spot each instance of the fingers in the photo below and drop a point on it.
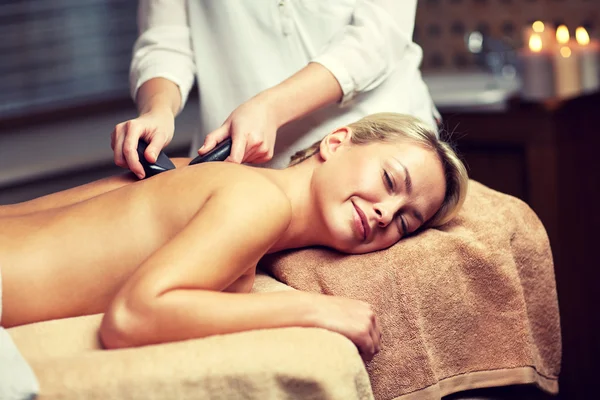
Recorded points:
(371, 338)
(367, 352)
(155, 146)
(238, 149)
(214, 138)
(352, 318)
(156, 128)
(255, 148)
(376, 334)
(124, 142)
(252, 150)
(130, 144)
(117, 145)
(245, 147)
(259, 154)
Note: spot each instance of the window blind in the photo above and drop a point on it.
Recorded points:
(59, 53)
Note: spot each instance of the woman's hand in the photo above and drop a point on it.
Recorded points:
(252, 128)
(354, 319)
(156, 127)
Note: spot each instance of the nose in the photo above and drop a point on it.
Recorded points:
(385, 211)
(383, 217)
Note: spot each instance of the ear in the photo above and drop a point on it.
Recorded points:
(332, 142)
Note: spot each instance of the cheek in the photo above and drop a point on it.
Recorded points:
(369, 182)
(386, 238)
(364, 181)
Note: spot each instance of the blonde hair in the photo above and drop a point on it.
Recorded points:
(388, 127)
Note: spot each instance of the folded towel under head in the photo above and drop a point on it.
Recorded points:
(471, 304)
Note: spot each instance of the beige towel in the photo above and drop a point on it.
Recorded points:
(288, 363)
(470, 305)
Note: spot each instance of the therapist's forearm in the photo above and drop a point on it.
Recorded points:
(309, 89)
(158, 94)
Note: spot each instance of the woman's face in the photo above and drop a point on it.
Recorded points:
(372, 195)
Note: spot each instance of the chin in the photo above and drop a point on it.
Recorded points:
(339, 239)
(341, 232)
(357, 250)
(344, 248)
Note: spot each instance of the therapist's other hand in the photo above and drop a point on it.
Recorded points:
(156, 127)
(252, 128)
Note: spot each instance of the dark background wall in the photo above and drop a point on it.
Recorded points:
(63, 53)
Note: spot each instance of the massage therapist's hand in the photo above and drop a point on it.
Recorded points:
(354, 319)
(156, 127)
(252, 128)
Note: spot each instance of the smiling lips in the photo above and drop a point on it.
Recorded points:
(362, 223)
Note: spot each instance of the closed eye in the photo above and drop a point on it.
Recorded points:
(388, 180)
(404, 227)
(401, 225)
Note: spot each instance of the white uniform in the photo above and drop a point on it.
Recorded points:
(238, 48)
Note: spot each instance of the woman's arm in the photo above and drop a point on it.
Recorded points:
(175, 294)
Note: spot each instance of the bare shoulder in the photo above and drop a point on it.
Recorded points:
(238, 178)
(213, 178)
(250, 196)
(238, 199)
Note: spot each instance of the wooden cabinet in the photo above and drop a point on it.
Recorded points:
(549, 156)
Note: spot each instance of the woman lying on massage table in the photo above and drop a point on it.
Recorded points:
(174, 257)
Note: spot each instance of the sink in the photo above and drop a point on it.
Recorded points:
(471, 91)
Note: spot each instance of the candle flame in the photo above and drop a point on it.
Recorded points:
(535, 43)
(538, 26)
(562, 34)
(565, 52)
(582, 36)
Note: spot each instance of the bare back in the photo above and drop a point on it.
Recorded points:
(72, 260)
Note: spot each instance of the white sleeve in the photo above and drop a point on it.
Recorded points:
(367, 50)
(163, 48)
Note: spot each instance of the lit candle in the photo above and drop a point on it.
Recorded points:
(588, 53)
(566, 66)
(544, 30)
(537, 73)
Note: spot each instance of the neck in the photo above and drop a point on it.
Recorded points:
(306, 225)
